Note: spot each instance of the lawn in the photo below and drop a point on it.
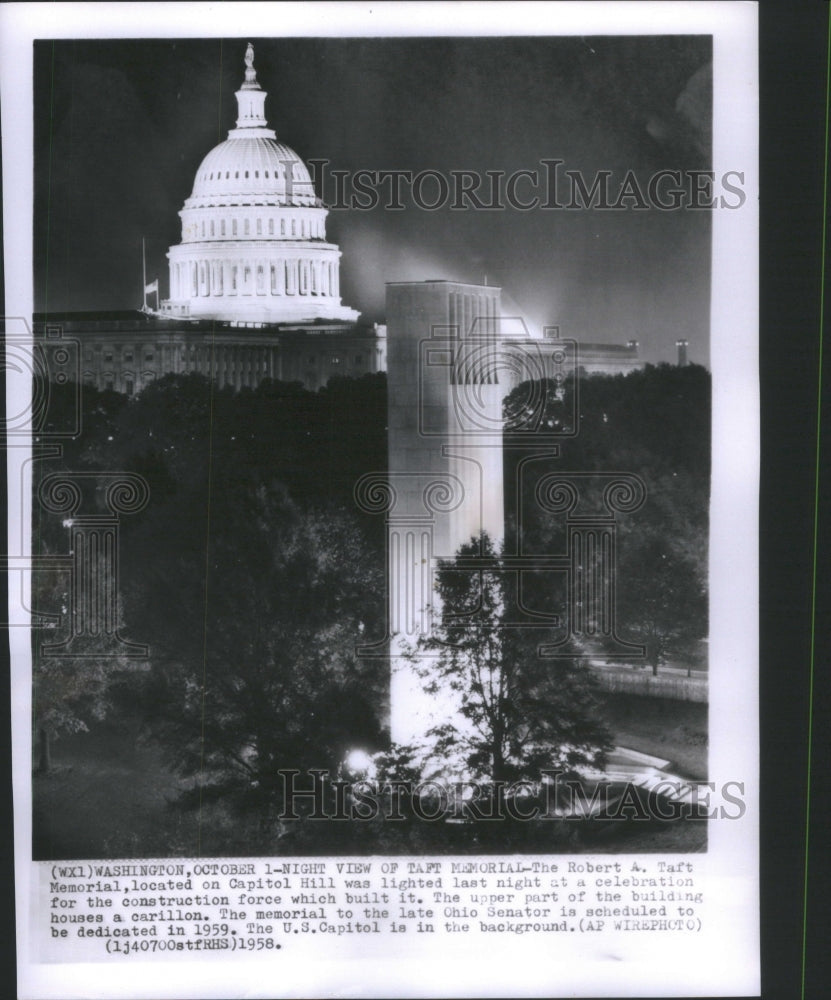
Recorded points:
(108, 796)
(673, 730)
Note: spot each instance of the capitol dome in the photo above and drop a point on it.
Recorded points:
(242, 169)
(254, 245)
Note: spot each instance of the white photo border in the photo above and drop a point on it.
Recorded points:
(725, 961)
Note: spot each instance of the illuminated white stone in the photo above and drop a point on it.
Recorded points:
(254, 245)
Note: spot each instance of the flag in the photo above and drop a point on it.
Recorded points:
(152, 287)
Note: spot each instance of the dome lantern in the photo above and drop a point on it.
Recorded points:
(251, 103)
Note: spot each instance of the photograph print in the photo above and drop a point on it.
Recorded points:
(370, 502)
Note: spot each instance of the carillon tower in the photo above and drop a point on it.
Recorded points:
(452, 360)
(444, 479)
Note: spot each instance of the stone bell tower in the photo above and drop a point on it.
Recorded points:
(445, 456)
(452, 358)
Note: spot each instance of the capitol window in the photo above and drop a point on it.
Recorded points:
(212, 228)
(222, 227)
(259, 227)
(282, 227)
(234, 227)
(271, 227)
(247, 227)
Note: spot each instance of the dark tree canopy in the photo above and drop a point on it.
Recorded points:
(654, 423)
(250, 574)
(256, 617)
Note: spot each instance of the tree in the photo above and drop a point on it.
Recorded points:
(654, 423)
(60, 690)
(662, 598)
(517, 713)
(256, 608)
(250, 575)
(69, 693)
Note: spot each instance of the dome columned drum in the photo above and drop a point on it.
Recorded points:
(254, 243)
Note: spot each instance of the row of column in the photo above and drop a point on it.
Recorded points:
(477, 361)
(240, 367)
(473, 313)
(303, 228)
(194, 279)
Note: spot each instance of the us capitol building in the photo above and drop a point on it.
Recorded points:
(254, 283)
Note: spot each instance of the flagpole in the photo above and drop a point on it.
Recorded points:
(143, 278)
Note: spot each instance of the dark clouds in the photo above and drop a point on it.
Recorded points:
(122, 126)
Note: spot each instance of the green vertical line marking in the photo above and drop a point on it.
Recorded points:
(816, 511)
(208, 525)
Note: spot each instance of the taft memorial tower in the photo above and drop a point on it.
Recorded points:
(452, 359)
(445, 457)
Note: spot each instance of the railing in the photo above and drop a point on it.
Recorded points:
(641, 681)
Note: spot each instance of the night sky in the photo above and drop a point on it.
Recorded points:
(121, 127)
